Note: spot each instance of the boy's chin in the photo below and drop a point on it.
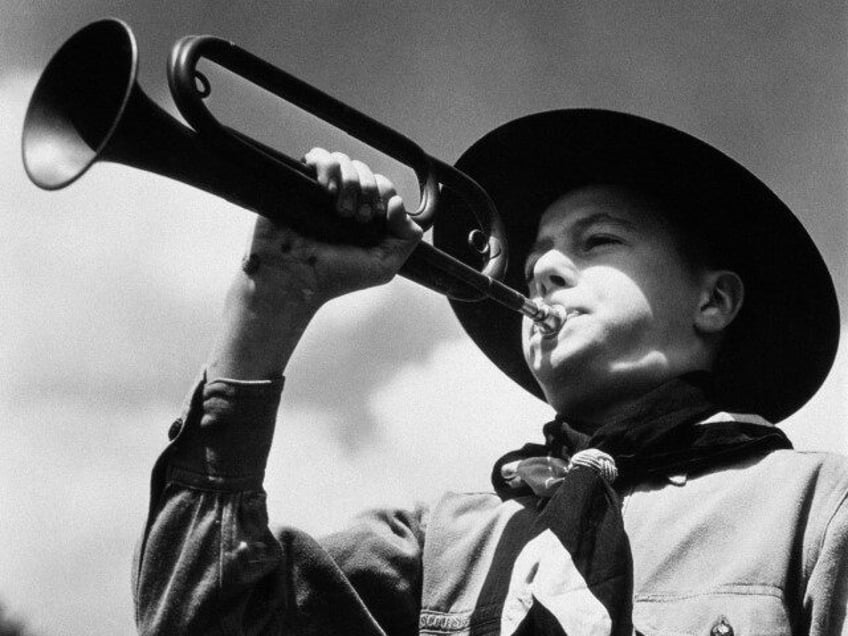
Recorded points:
(560, 364)
(568, 384)
(573, 388)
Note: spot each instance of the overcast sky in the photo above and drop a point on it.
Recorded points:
(111, 288)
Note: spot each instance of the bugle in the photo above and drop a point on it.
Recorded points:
(87, 106)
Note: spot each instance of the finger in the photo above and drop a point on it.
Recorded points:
(399, 223)
(368, 192)
(386, 190)
(403, 235)
(327, 171)
(348, 185)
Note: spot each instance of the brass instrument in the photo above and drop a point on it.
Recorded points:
(88, 107)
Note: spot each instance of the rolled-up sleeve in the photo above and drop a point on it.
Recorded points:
(207, 561)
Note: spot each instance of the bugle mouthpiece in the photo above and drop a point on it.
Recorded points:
(549, 319)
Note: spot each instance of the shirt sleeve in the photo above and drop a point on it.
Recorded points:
(826, 598)
(208, 563)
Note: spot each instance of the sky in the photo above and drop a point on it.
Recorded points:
(112, 287)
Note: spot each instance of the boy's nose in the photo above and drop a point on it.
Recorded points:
(554, 270)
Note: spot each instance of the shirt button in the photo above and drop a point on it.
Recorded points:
(721, 628)
(175, 429)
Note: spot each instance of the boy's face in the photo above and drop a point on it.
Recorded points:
(614, 264)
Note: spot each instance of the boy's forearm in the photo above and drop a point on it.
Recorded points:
(265, 315)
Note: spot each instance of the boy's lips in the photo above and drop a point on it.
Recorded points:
(569, 315)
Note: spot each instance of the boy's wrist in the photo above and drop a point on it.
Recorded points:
(275, 292)
(265, 315)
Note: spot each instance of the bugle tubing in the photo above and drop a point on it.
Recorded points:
(87, 106)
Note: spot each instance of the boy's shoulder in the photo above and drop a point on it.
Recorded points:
(782, 485)
(824, 465)
(824, 472)
(789, 468)
(813, 484)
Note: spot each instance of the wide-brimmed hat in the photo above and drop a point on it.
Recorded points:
(782, 344)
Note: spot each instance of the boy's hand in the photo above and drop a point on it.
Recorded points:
(316, 271)
(287, 277)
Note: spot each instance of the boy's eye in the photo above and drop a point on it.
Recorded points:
(599, 240)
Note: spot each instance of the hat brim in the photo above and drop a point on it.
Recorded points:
(783, 342)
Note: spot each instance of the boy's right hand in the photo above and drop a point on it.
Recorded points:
(286, 277)
(316, 271)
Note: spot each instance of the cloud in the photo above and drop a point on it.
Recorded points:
(118, 280)
(444, 421)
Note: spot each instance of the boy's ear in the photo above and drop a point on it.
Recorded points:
(721, 299)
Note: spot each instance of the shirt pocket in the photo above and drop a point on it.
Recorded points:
(739, 610)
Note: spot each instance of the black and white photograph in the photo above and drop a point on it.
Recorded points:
(424, 317)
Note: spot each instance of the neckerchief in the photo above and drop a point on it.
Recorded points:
(568, 569)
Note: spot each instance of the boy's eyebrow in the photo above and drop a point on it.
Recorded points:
(581, 225)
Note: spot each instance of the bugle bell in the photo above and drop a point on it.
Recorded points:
(87, 106)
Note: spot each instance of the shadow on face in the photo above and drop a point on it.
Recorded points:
(635, 298)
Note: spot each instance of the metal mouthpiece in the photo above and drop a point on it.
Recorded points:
(549, 319)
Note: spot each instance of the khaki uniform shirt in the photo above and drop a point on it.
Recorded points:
(757, 548)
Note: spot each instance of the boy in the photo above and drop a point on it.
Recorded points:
(689, 291)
